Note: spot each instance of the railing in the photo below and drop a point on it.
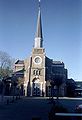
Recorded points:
(69, 114)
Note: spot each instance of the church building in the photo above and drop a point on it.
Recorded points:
(38, 71)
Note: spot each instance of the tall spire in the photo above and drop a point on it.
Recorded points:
(39, 37)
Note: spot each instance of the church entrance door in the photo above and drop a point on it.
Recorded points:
(36, 88)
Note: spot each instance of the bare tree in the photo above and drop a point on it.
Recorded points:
(5, 64)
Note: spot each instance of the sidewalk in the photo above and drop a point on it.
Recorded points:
(25, 109)
(7, 99)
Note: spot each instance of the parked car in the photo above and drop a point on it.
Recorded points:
(79, 108)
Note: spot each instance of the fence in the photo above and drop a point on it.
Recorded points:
(71, 116)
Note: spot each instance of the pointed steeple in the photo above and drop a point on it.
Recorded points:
(39, 37)
(39, 25)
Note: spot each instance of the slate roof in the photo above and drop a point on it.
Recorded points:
(19, 62)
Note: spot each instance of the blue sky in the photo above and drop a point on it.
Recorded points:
(62, 30)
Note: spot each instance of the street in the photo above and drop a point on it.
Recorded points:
(28, 108)
(25, 109)
(70, 103)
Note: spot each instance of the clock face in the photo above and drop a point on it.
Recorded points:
(37, 60)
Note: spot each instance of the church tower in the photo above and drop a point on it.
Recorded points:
(35, 75)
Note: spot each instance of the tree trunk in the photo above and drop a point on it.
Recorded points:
(57, 94)
(13, 93)
(3, 91)
(52, 92)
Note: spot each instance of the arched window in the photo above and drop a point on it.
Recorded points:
(36, 72)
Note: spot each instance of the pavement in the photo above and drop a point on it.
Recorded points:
(32, 108)
(25, 109)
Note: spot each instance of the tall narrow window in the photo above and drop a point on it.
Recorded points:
(36, 72)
